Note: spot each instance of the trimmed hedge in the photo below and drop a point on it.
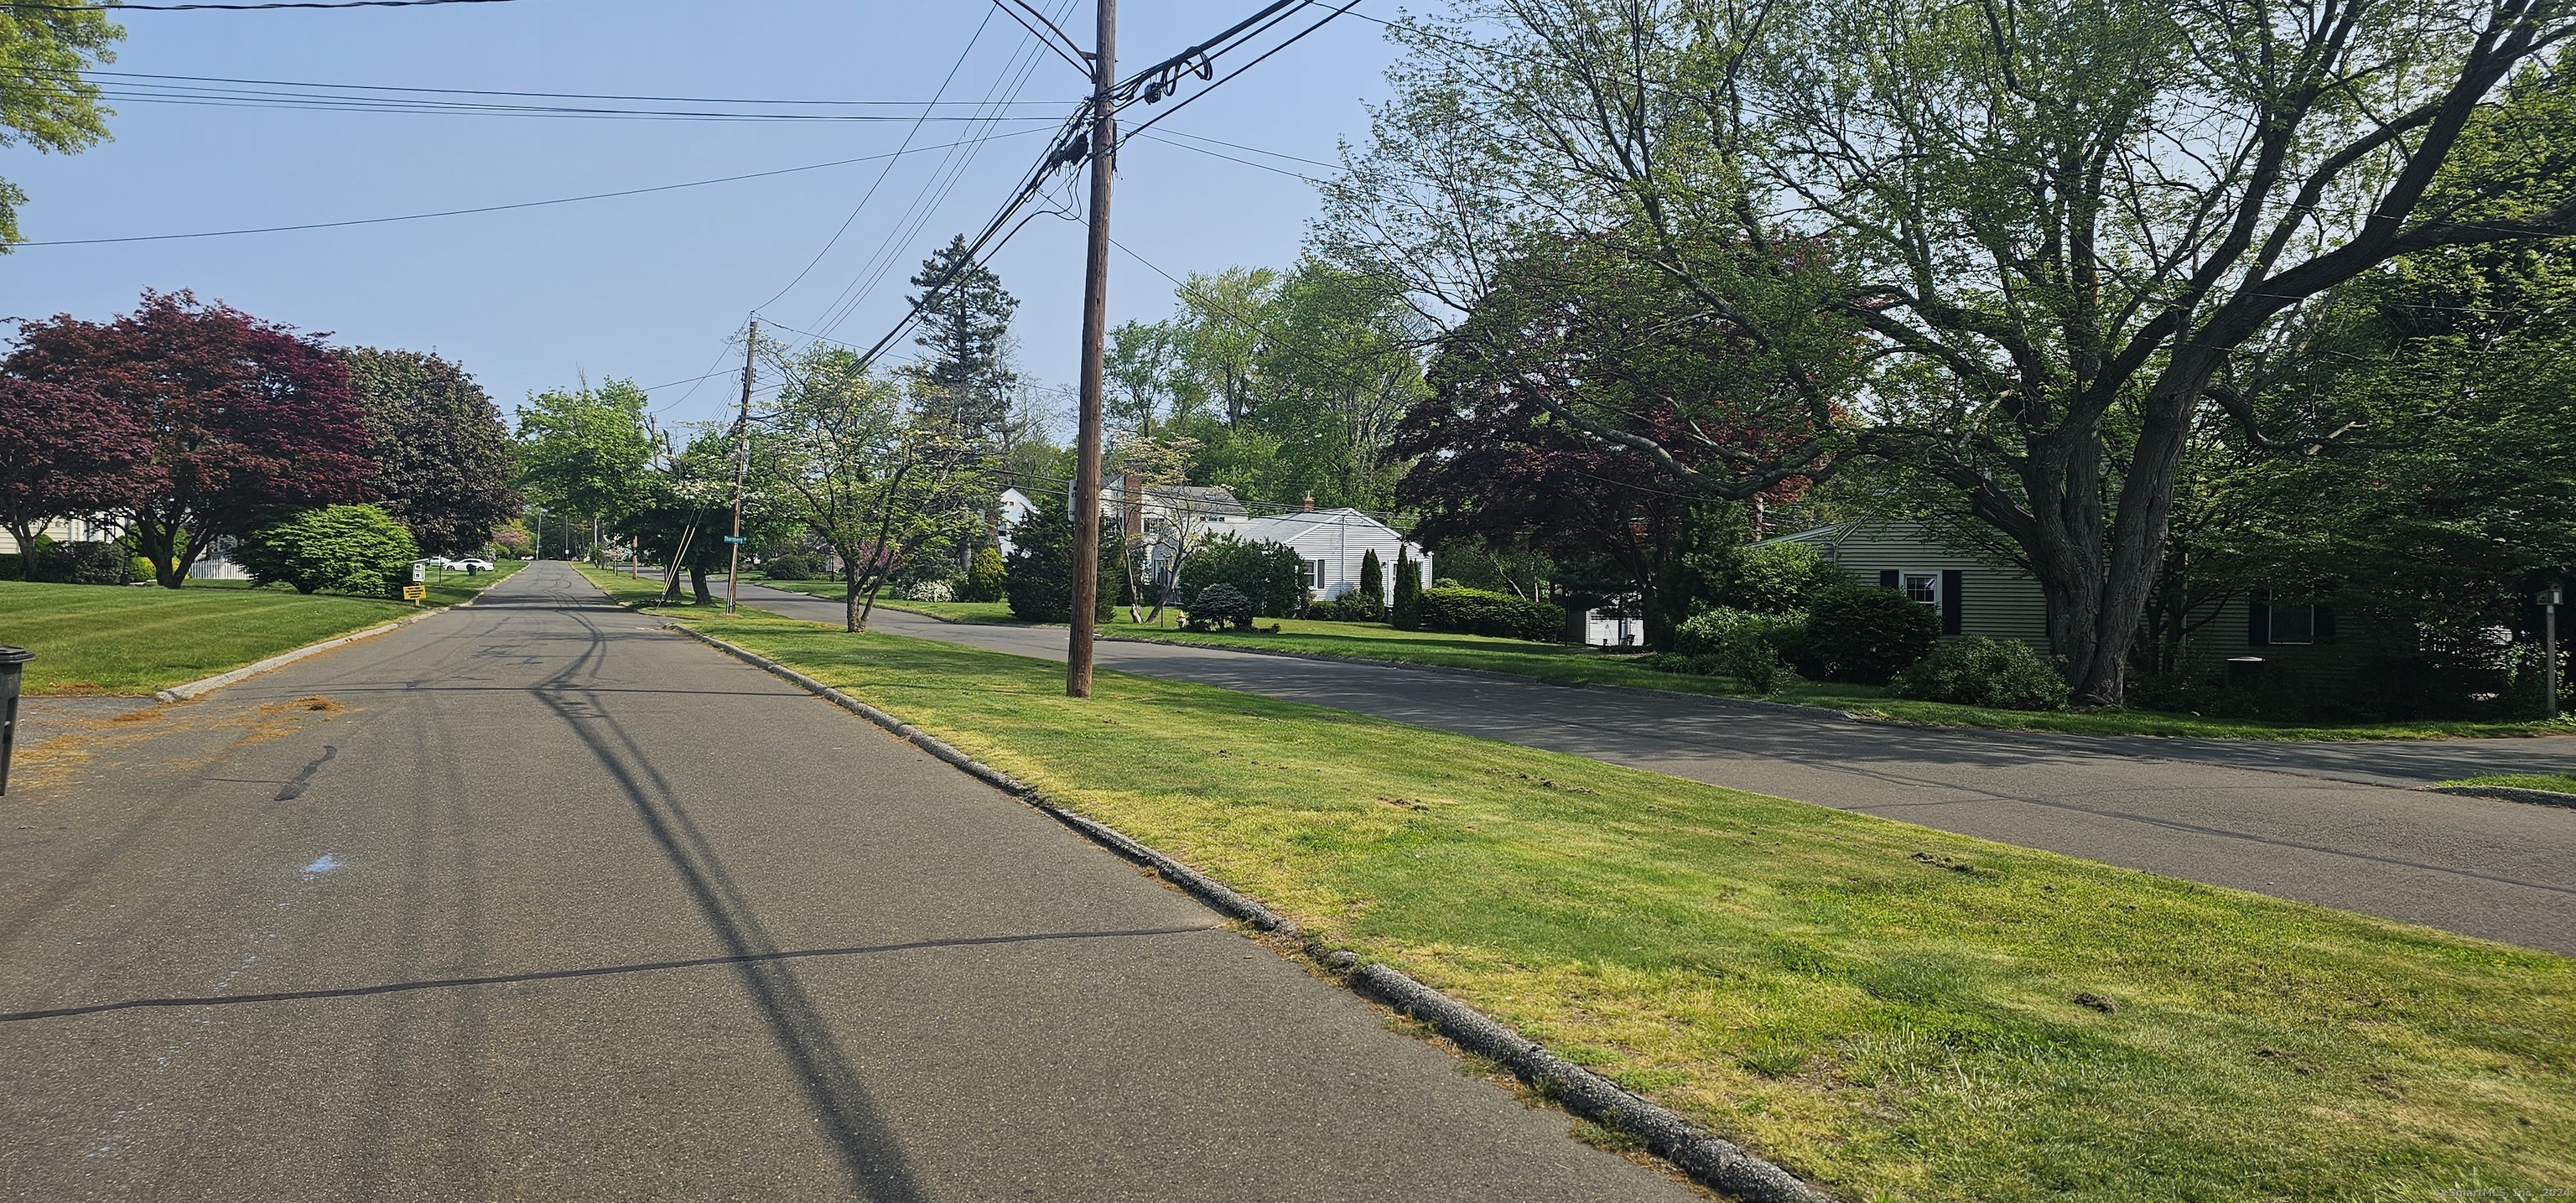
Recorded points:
(1477, 612)
(1219, 607)
(356, 549)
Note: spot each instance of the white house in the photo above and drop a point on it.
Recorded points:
(1333, 543)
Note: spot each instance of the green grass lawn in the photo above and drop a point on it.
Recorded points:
(2556, 783)
(1590, 666)
(105, 639)
(1892, 1011)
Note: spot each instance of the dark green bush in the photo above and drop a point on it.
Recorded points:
(1750, 647)
(1856, 633)
(1219, 607)
(356, 549)
(1038, 575)
(1977, 671)
(1406, 613)
(1476, 612)
(1355, 606)
(1272, 574)
(789, 567)
(100, 562)
(1680, 664)
(1777, 578)
(986, 578)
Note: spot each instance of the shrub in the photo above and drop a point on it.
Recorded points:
(1356, 606)
(926, 591)
(1272, 574)
(1977, 671)
(1406, 613)
(1777, 578)
(1681, 664)
(985, 577)
(789, 567)
(1038, 574)
(1856, 633)
(1747, 646)
(1476, 612)
(1219, 607)
(1372, 581)
(344, 548)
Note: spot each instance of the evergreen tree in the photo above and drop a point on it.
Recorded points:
(1372, 578)
(965, 326)
(1406, 615)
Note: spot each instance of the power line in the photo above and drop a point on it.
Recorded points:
(360, 104)
(1232, 159)
(888, 170)
(1063, 44)
(1299, 36)
(561, 200)
(291, 83)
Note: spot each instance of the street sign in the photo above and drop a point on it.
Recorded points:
(735, 539)
(413, 593)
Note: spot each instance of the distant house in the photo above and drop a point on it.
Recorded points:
(1334, 543)
(64, 530)
(1977, 594)
(1015, 507)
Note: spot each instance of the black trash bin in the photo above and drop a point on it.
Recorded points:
(13, 661)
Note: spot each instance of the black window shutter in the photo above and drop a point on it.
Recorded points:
(1887, 579)
(1950, 600)
(2325, 624)
(2258, 621)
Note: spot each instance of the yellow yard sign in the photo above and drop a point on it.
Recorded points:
(413, 593)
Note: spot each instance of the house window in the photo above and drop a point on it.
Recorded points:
(1315, 574)
(1924, 587)
(2294, 624)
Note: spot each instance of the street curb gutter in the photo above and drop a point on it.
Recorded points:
(181, 693)
(2508, 793)
(1710, 1160)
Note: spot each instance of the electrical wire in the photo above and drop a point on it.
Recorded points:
(1186, 101)
(561, 200)
(1063, 44)
(888, 170)
(401, 88)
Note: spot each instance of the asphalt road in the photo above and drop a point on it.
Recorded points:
(2323, 823)
(535, 900)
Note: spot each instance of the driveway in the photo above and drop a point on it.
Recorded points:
(536, 900)
(2323, 823)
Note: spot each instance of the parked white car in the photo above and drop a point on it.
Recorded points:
(471, 564)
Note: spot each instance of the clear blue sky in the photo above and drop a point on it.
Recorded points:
(649, 287)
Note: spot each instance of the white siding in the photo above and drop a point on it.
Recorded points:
(63, 530)
(1340, 538)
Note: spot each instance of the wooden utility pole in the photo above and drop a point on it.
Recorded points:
(1095, 332)
(741, 466)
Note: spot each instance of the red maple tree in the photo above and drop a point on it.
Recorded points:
(244, 418)
(65, 453)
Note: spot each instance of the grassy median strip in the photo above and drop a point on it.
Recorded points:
(92, 639)
(1881, 1007)
(2556, 783)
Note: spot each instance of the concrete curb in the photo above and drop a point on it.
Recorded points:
(181, 693)
(1710, 1160)
(2508, 793)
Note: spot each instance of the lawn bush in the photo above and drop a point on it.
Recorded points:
(789, 567)
(985, 577)
(1272, 574)
(356, 549)
(1856, 633)
(1038, 574)
(1748, 646)
(1476, 612)
(1406, 613)
(926, 591)
(1681, 664)
(1220, 607)
(1777, 578)
(1355, 606)
(1977, 671)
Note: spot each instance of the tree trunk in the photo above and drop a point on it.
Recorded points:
(698, 585)
(25, 534)
(850, 621)
(159, 543)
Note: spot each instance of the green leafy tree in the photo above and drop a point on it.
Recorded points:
(1038, 574)
(44, 102)
(1272, 574)
(585, 451)
(877, 482)
(2067, 234)
(356, 549)
(682, 507)
(443, 466)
